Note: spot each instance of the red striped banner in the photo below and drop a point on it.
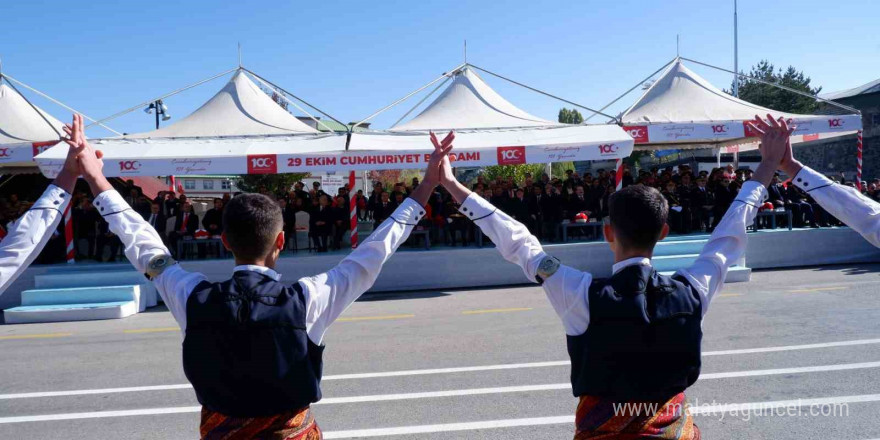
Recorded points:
(352, 203)
(68, 234)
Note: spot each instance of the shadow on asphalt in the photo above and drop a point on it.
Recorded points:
(393, 296)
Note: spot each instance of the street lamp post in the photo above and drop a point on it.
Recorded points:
(160, 109)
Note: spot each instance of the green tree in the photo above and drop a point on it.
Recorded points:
(274, 183)
(775, 98)
(572, 116)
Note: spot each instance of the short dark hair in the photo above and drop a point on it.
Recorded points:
(252, 223)
(638, 213)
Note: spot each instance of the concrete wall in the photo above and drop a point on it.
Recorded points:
(411, 269)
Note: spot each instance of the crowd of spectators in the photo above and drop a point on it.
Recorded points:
(697, 202)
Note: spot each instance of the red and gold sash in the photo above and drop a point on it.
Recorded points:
(291, 425)
(598, 418)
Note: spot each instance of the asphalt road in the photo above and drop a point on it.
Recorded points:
(803, 344)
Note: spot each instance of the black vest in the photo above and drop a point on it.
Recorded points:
(643, 340)
(246, 351)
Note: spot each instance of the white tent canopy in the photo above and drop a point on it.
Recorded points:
(240, 130)
(240, 108)
(470, 103)
(489, 131)
(683, 110)
(24, 131)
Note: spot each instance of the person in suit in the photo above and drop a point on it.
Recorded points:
(702, 203)
(552, 205)
(185, 225)
(156, 219)
(674, 217)
(106, 238)
(801, 209)
(321, 222)
(579, 202)
(341, 221)
(213, 221)
(288, 216)
(383, 208)
(724, 196)
(519, 208)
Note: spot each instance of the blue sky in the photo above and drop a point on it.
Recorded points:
(351, 58)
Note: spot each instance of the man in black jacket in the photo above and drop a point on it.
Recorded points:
(213, 221)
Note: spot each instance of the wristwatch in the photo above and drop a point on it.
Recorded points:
(158, 264)
(546, 268)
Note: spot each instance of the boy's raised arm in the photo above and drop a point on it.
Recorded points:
(142, 244)
(28, 235)
(330, 293)
(565, 286)
(728, 242)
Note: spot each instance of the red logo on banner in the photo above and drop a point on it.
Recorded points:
(835, 123)
(511, 155)
(719, 129)
(129, 166)
(749, 131)
(40, 147)
(262, 164)
(638, 132)
(607, 149)
(5, 152)
(811, 137)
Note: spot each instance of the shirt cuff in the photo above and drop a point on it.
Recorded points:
(53, 198)
(409, 212)
(110, 202)
(752, 193)
(476, 207)
(807, 179)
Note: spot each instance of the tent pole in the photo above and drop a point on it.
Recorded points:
(631, 89)
(544, 93)
(378, 112)
(735, 54)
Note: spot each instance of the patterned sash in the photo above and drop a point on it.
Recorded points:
(602, 419)
(291, 425)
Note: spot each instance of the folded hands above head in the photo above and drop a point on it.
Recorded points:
(775, 147)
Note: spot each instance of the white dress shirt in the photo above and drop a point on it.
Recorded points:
(28, 235)
(846, 204)
(568, 288)
(327, 295)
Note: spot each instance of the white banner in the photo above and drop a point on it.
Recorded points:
(349, 160)
(808, 127)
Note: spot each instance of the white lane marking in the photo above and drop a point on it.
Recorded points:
(182, 386)
(448, 393)
(792, 347)
(429, 395)
(450, 370)
(451, 427)
(434, 370)
(795, 370)
(564, 420)
(102, 414)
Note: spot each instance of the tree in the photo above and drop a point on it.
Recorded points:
(775, 98)
(572, 116)
(274, 183)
